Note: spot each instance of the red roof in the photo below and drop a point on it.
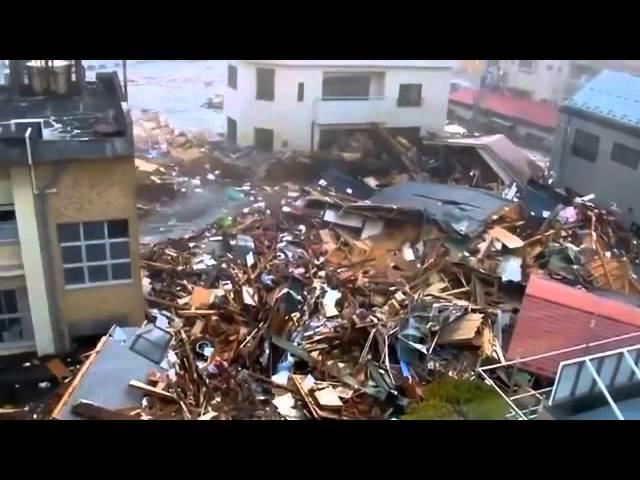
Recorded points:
(541, 114)
(555, 316)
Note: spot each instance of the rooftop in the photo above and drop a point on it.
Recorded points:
(555, 316)
(611, 95)
(93, 124)
(540, 114)
(361, 63)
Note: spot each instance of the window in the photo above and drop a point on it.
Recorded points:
(585, 145)
(301, 91)
(625, 155)
(10, 318)
(232, 131)
(232, 76)
(8, 224)
(527, 65)
(534, 141)
(410, 95)
(265, 84)
(263, 139)
(346, 87)
(95, 253)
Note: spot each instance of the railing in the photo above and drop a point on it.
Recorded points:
(359, 110)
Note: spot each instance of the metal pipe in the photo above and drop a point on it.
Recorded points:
(27, 141)
(604, 390)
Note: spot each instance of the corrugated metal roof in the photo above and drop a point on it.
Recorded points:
(612, 95)
(536, 113)
(555, 316)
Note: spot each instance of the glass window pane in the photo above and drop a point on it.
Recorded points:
(118, 228)
(74, 276)
(10, 301)
(14, 330)
(98, 273)
(68, 232)
(121, 271)
(119, 250)
(96, 252)
(72, 254)
(93, 230)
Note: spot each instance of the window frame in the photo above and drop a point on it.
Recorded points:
(5, 316)
(580, 153)
(300, 96)
(528, 69)
(234, 69)
(624, 163)
(108, 262)
(405, 102)
(267, 98)
(12, 225)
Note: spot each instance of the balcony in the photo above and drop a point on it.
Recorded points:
(357, 110)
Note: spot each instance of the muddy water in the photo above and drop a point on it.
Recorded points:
(177, 89)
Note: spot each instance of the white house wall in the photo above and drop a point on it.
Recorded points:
(292, 121)
(543, 84)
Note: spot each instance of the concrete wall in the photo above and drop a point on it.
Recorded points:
(85, 191)
(609, 180)
(292, 120)
(544, 84)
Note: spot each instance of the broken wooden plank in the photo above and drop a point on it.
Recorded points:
(92, 411)
(58, 369)
(152, 390)
(506, 237)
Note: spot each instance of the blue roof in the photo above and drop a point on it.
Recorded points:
(613, 95)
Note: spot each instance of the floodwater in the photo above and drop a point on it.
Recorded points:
(177, 89)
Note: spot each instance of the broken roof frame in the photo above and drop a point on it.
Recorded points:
(546, 393)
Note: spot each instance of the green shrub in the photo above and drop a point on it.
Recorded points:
(453, 398)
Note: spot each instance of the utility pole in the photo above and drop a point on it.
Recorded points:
(124, 79)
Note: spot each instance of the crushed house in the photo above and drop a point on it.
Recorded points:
(69, 259)
(597, 143)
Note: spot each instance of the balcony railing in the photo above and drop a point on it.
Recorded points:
(356, 110)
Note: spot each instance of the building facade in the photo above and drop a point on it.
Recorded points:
(597, 143)
(69, 257)
(556, 80)
(301, 104)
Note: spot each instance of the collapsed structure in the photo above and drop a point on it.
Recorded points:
(358, 276)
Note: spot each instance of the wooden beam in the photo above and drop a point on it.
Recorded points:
(92, 411)
(149, 390)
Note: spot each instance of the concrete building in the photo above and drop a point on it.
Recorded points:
(597, 143)
(69, 259)
(556, 80)
(304, 104)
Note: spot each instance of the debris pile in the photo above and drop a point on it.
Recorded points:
(351, 285)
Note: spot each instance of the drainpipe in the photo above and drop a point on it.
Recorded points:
(27, 142)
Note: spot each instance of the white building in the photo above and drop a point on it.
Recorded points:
(302, 104)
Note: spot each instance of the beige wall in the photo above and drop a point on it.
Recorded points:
(85, 191)
(6, 194)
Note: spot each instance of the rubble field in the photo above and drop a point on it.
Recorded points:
(357, 283)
